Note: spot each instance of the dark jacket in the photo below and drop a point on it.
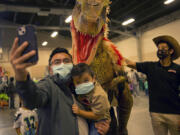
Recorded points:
(54, 101)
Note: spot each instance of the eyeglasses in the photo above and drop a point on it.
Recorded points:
(59, 61)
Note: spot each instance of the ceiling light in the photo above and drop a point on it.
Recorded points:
(44, 43)
(68, 20)
(42, 13)
(128, 21)
(168, 2)
(54, 34)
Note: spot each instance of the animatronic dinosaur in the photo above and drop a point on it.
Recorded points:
(90, 45)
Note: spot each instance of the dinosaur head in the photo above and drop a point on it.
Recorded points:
(90, 16)
(87, 28)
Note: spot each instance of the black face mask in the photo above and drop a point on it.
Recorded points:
(162, 54)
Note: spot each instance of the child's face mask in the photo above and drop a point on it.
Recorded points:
(83, 83)
(84, 88)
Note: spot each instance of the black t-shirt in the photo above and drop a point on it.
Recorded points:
(163, 83)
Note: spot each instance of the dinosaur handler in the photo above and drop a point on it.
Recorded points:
(164, 80)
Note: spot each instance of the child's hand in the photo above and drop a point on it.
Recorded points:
(75, 109)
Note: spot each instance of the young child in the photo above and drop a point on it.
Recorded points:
(91, 94)
(25, 121)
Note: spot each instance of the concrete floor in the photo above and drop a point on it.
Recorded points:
(139, 123)
(6, 122)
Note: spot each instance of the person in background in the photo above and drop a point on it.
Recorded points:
(11, 92)
(141, 82)
(163, 79)
(131, 87)
(146, 87)
(91, 95)
(134, 79)
(26, 121)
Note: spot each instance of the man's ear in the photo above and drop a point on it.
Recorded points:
(50, 70)
(171, 51)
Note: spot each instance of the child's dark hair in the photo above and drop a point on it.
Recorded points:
(80, 68)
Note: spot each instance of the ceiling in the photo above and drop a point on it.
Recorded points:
(49, 15)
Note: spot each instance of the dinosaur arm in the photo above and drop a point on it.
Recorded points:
(117, 80)
(118, 83)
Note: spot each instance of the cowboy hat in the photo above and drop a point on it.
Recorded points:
(170, 40)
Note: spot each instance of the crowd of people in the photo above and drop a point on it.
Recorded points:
(7, 92)
(137, 83)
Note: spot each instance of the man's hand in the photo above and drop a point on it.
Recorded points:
(17, 61)
(102, 127)
(129, 63)
(75, 109)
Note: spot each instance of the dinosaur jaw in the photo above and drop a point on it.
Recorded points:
(84, 45)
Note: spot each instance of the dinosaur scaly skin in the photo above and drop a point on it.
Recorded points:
(90, 46)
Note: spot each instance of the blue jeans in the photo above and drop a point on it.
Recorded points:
(92, 129)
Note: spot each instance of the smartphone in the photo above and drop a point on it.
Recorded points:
(28, 33)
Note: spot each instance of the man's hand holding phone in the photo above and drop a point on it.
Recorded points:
(24, 52)
(18, 60)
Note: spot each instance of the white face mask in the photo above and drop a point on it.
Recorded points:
(84, 88)
(62, 69)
